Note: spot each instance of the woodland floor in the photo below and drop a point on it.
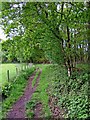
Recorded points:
(18, 109)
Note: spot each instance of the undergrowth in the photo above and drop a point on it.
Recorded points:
(72, 93)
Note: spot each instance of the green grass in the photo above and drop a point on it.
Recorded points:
(46, 80)
(34, 80)
(42, 88)
(40, 94)
(43, 66)
(12, 70)
(84, 67)
(71, 92)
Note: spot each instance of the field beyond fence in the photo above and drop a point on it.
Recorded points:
(9, 71)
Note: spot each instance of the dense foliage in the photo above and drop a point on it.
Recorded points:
(72, 93)
(55, 31)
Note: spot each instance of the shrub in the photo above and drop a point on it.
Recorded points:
(72, 92)
(6, 89)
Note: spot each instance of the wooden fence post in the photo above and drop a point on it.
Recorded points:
(8, 76)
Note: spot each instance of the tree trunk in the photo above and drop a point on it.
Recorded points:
(69, 68)
(88, 37)
(88, 34)
(69, 56)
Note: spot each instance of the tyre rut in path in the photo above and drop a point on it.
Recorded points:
(18, 109)
(37, 110)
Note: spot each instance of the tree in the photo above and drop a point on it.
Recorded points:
(56, 28)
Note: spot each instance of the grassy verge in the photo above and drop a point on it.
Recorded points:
(16, 90)
(34, 80)
(40, 94)
(84, 67)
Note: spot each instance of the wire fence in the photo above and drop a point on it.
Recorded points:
(18, 70)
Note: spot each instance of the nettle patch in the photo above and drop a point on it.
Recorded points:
(72, 92)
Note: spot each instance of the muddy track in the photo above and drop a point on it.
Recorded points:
(18, 109)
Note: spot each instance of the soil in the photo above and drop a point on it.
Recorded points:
(18, 109)
(55, 110)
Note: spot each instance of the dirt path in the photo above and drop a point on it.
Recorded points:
(56, 111)
(18, 109)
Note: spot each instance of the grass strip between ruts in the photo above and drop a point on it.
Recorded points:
(40, 95)
(35, 78)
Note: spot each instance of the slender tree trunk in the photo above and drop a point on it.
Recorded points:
(69, 60)
(88, 34)
(75, 48)
(88, 37)
(80, 52)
